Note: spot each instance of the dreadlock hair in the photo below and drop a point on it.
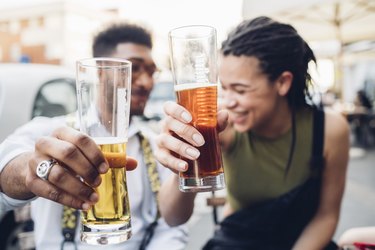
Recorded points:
(279, 48)
(106, 41)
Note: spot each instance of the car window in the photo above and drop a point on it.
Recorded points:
(163, 91)
(56, 97)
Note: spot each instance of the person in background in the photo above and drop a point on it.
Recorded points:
(285, 160)
(358, 235)
(362, 119)
(50, 138)
(362, 100)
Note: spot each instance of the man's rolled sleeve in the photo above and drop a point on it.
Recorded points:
(8, 151)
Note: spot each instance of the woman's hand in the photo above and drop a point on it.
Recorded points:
(177, 122)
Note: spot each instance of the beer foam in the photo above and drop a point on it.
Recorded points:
(109, 140)
(185, 86)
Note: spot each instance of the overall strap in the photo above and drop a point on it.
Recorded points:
(69, 224)
(153, 177)
(317, 158)
(69, 217)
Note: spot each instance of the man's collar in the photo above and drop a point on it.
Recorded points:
(133, 128)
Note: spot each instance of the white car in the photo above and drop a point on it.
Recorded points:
(29, 90)
(161, 92)
(26, 91)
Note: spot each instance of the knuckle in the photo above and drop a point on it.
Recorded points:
(91, 174)
(82, 139)
(58, 131)
(61, 131)
(69, 151)
(97, 158)
(179, 127)
(85, 192)
(185, 129)
(166, 123)
(74, 203)
(163, 124)
(160, 140)
(162, 157)
(29, 182)
(41, 143)
(181, 147)
(166, 107)
(57, 175)
(55, 195)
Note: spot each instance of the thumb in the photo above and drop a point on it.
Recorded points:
(222, 119)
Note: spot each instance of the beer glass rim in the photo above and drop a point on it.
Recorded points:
(92, 62)
(205, 31)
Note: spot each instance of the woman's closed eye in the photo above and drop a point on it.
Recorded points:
(243, 89)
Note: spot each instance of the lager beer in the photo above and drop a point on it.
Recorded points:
(201, 101)
(112, 210)
(103, 98)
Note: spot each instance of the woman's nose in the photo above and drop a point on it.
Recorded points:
(228, 100)
(230, 103)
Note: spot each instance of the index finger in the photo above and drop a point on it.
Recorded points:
(131, 163)
(85, 144)
(177, 111)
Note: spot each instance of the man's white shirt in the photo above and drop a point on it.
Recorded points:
(47, 214)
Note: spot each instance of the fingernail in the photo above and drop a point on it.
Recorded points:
(97, 181)
(86, 206)
(182, 166)
(103, 168)
(94, 197)
(198, 139)
(186, 117)
(192, 152)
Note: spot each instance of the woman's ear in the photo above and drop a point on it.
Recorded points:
(284, 83)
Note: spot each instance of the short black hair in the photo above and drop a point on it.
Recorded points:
(106, 41)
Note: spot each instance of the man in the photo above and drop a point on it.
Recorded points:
(45, 139)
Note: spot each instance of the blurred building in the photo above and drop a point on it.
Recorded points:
(51, 31)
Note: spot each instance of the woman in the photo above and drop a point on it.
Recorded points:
(285, 161)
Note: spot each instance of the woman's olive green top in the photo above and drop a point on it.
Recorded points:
(255, 167)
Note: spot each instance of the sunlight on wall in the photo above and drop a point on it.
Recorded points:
(163, 15)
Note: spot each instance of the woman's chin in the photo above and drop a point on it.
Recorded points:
(240, 127)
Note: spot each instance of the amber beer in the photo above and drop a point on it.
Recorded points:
(112, 210)
(201, 101)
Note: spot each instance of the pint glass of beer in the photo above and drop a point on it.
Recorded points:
(194, 66)
(103, 93)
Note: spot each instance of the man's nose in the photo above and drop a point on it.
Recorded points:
(144, 80)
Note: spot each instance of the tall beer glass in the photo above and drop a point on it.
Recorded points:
(194, 65)
(103, 93)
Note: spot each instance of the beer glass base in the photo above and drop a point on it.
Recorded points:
(105, 234)
(204, 184)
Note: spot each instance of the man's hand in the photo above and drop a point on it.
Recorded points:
(71, 181)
